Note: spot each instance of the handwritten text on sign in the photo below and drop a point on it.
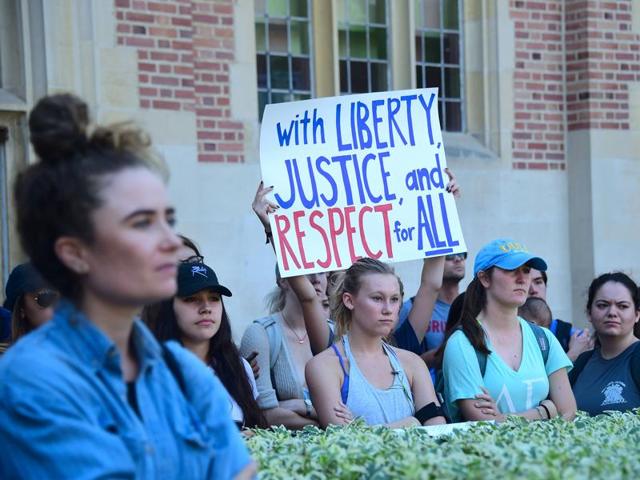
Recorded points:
(356, 176)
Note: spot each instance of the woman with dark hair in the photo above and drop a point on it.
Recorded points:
(197, 318)
(30, 299)
(608, 377)
(92, 394)
(498, 364)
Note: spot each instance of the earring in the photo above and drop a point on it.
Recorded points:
(81, 268)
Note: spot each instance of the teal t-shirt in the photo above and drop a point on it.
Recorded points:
(513, 391)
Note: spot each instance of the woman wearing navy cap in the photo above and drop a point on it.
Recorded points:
(196, 317)
(497, 364)
(29, 298)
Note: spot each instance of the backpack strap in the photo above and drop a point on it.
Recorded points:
(579, 365)
(635, 365)
(541, 340)
(275, 337)
(174, 368)
(563, 334)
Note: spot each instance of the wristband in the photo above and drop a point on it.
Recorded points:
(269, 236)
(429, 411)
(308, 405)
(546, 410)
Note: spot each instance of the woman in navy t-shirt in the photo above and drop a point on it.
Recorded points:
(606, 377)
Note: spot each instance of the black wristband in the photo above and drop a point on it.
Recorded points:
(429, 411)
(269, 236)
(546, 410)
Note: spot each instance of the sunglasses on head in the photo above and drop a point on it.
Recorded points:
(46, 298)
(193, 259)
(456, 256)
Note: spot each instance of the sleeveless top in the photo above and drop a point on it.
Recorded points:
(376, 406)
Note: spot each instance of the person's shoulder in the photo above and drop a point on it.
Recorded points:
(37, 363)
(325, 359)
(409, 360)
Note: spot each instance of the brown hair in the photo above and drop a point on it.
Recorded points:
(350, 282)
(20, 324)
(56, 196)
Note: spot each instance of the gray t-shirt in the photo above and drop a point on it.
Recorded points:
(607, 384)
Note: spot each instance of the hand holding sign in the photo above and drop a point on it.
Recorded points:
(358, 176)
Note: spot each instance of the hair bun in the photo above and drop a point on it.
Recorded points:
(58, 126)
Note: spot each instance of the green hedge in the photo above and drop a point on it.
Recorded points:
(607, 446)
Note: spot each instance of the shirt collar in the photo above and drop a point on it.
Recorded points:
(96, 348)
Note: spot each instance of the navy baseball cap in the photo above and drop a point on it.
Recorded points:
(507, 254)
(22, 279)
(193, 277)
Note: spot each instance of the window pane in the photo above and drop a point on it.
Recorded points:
(342, 43)
(263, 99)
(300, 70)
(261, 44)
(452, 82)
(278, 36)
(298, 8)
(278, 97)
(440, 113)
(450, 17)
(419, 77)
(432, 47)
(357, 11)
(277, 8)
(341, 8)
(452, 48)
(378, 43)
(279, 72)
(433, 77)
(379, 77)
(260, 8)
(262, 71)
(344, 80)
(418, 48)
(454, 116)
(377, 12)
(359, 77)
(300, 38)
(300, 96)
(358, 42)
(430, 14)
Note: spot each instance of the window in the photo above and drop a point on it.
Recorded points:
(363, 45)
(439, 57)
(283, 46)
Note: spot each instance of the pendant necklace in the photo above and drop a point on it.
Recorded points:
(301, 339)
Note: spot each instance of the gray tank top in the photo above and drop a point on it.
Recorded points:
(377, 406)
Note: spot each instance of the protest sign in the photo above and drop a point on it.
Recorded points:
(358, 176)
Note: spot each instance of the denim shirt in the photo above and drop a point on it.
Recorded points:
(64, 411)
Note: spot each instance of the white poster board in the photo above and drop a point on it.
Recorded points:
(356, 176)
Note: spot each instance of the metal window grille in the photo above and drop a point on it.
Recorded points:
(439, 57)
(283, 48)
(363, 43)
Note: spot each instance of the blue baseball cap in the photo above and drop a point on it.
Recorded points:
(507, 254)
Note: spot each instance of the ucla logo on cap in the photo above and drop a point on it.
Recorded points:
(513, 247)
(198, 270)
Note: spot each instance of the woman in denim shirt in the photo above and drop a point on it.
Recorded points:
(92, 393)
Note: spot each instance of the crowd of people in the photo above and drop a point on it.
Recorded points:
(118, 358)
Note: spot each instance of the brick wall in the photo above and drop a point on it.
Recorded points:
(538, 132)
(185, 48)
(603, 57)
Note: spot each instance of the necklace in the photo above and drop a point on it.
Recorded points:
(301, 339)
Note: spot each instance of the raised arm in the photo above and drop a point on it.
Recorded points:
(430, 281)
(315, 319)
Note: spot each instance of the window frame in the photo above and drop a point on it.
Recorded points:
(420, 31)
(368, 59)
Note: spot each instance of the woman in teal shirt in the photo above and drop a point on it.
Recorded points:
(495, 364)
(92, 394)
